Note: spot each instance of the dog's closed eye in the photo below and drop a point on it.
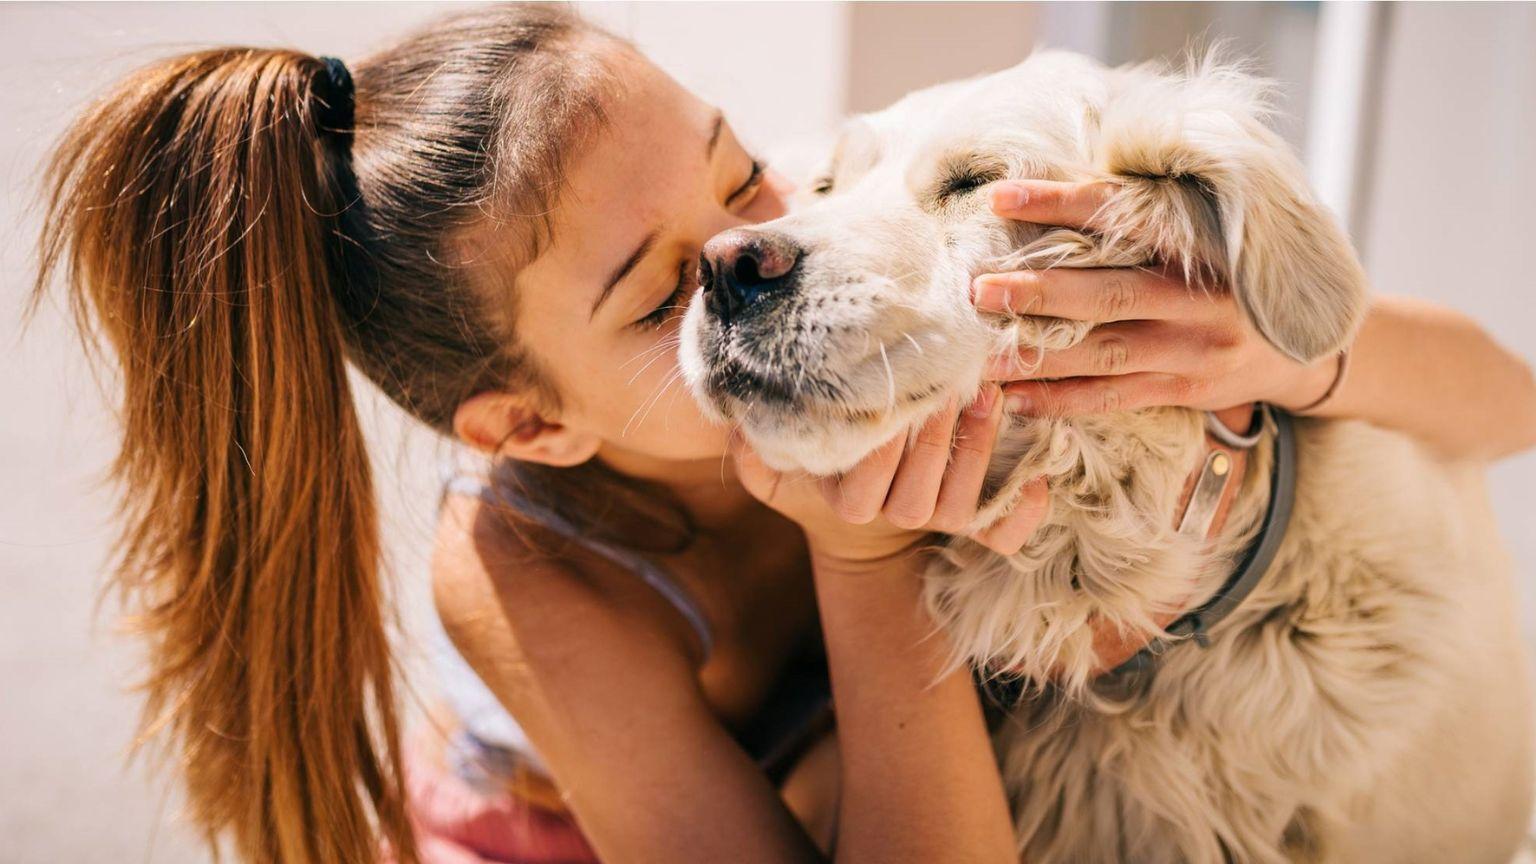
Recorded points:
(962, 184)
(962, 180)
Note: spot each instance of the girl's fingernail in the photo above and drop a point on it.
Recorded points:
(989, 292)
(982, 405)
(1009, 196)
(1017, 403)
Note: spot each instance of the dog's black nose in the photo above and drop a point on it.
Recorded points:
(739, 267)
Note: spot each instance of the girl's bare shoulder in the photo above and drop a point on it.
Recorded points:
(521, 595)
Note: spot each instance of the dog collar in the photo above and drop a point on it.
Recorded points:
(1211, 492)
(1208, 496)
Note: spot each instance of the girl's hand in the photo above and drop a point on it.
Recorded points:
(898, 494)
(1157, 339)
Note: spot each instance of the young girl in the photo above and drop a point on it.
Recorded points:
(496, 221)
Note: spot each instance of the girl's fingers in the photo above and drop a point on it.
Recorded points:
(858, 494)
(1009, 534)
(1111, 349)
(915, 488)
(933, 481)
(1095, 294)
(757, 478)
(1101, 395)
(1049, 202)
(975, 436)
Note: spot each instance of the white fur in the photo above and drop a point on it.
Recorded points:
(1369, 701)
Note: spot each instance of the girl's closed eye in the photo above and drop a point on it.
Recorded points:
(685, 269)
(673, 302)
(750, 185)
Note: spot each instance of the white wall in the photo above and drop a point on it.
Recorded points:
(1448, 212)
(777, 68)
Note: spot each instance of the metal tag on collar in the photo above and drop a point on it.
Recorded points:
(1216, 473)
(1211, 485)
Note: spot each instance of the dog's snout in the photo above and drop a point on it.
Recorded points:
(738, 268)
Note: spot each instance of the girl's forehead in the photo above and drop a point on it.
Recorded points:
(629, 171)
(638, 172)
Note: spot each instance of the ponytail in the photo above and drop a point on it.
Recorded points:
(194, 214)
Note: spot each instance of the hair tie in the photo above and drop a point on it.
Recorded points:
(335, 90)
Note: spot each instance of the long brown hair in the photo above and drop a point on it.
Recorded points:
(233, 254)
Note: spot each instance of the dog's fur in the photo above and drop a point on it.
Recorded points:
(1368, 702)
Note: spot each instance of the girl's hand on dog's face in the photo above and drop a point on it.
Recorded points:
(902, 491)
(1157, 339)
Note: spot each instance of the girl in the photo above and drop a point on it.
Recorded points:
(497, 223)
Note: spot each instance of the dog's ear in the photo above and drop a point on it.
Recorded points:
(1203, 176)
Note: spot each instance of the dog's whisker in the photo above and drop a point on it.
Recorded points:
(650, 400)
(659, 355)
(890, 378)
(671, 400)
(660, 392)
(670, 342)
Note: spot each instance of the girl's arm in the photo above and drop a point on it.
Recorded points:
(919, 778)
(1434, 373)
(1414, 367)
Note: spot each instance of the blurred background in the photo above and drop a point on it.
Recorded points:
(1416, 121)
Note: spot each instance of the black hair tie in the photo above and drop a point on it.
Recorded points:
(335, 112)
(332, 103)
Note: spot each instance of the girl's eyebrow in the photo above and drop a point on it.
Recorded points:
(714, 135)
(623, 270)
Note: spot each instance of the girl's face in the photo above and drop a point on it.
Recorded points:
(599, 308)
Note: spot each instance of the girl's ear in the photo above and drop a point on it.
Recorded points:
(507, 424)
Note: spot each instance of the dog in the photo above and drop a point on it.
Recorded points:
(1367, 701)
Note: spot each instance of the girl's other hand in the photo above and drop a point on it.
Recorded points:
(1157, 339)
(888, 502)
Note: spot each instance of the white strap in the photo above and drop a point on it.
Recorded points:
(653, 574)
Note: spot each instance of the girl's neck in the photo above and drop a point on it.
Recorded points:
(706, 488)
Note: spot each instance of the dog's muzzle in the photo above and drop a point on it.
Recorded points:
(740, 269)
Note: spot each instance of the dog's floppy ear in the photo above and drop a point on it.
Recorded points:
(1204, 176)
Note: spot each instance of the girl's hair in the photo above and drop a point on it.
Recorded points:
(233, 253)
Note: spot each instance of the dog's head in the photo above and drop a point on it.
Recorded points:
(824, 333)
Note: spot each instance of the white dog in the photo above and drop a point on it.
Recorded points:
(1367, 701)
